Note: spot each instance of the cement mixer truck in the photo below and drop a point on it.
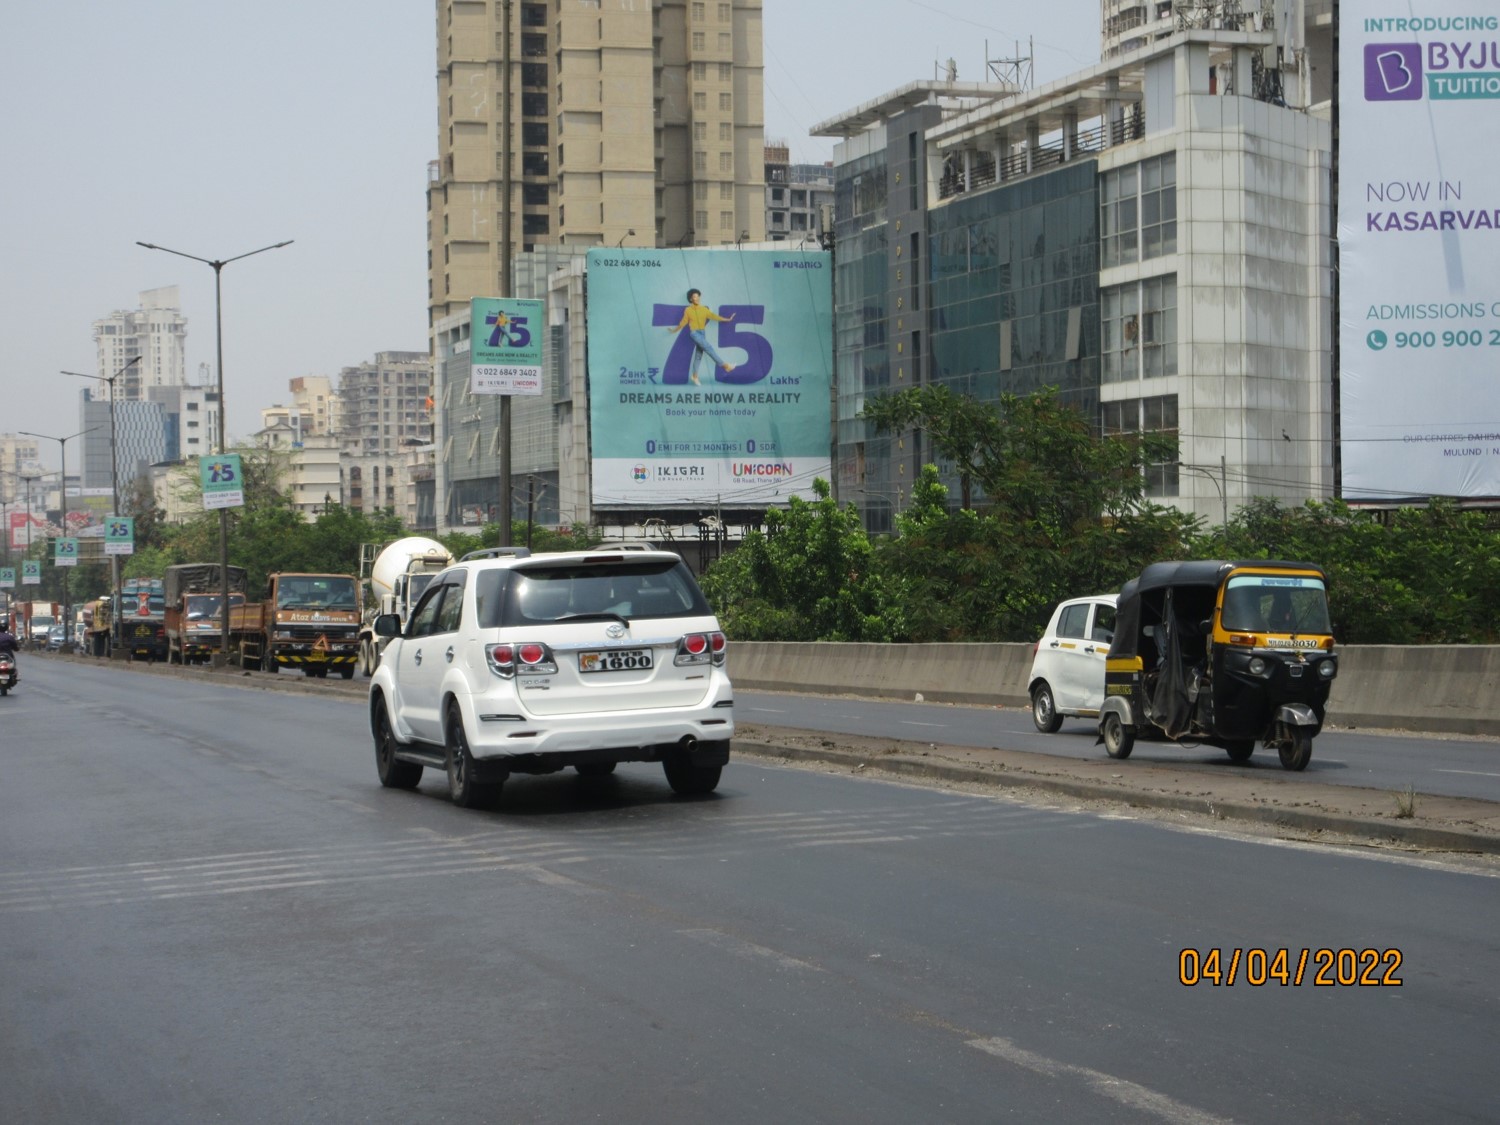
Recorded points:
(398, 576)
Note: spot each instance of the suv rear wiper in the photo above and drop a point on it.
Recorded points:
(591, 617)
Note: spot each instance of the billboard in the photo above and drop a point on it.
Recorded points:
(709, 375)
(505, 346)
(1419, 250)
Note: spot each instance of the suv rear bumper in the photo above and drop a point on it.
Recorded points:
(614, 733)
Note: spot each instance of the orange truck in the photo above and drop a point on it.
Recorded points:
(306, 621)
(194, 619)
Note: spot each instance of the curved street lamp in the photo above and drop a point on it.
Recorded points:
(1221, 486)
(218, 267)
(62, 495)
(114, 478)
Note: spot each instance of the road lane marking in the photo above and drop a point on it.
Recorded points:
(1471, 773)
(914, 723)
(1130, 1094)
(743, 948)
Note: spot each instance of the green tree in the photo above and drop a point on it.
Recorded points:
(810, 576)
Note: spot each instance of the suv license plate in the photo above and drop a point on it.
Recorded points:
(615, 660)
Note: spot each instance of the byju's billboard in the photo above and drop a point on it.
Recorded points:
(709, 375)
(1419, 249)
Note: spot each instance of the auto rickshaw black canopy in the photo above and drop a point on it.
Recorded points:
(1145, 595)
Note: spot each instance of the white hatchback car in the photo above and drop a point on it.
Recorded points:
(1067, 666)
(520, 663)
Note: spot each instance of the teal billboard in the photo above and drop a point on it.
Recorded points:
(709, 375)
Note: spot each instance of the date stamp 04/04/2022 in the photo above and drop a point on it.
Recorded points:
(1322, 968)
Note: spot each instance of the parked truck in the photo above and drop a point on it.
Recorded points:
(194, 614)
(34, 619)
(100, 625)
(306, 621)
(398, 576)
(141, 632)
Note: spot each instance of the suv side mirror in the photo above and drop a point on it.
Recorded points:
(387, 625)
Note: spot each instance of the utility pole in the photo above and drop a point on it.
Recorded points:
(505, 264)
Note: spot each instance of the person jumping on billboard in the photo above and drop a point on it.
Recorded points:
(695, 319)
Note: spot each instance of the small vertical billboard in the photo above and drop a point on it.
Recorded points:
(7, 578)
(65, 551)
(31, 572)
(710, 374)
(505, 346)
(223, 484)
(119, 535)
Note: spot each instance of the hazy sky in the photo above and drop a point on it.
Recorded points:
(217, 128)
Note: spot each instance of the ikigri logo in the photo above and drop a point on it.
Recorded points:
(1393, 72)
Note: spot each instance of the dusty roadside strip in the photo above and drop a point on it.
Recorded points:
(1272, 800)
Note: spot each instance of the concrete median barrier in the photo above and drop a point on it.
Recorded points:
(1447, 689)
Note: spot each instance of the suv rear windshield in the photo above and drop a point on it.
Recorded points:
(544, 594)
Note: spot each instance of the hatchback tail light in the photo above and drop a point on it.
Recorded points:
(531, 658)
(701, 648)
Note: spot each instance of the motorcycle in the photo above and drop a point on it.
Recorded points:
(8, 675)
(1222, 654)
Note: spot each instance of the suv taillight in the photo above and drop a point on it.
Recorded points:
(701, 648)
(529, 657)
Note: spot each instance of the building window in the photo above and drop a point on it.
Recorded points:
(726, 189)
(723, 13)
(700, 101)
(726, 103)
(1138, 211)
(700, 161)
(700, 71)
(700, 189)
(726, 162)
(726, 131)
(699, 43)
(534, 134)
(700, 12)
(726, 220)
(1154, 415)
(700, 220)
(726, 72)
(534, 224)
(1139, 330)
(700, 130)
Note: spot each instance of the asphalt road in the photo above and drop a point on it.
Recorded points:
(1454, 765)
(209, 910)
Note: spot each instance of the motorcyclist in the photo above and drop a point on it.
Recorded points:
(7, 641)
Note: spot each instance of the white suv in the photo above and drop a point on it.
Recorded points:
(521, 663)
(1067, 666)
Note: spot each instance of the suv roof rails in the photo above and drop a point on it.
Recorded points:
(498, 553)
(623, 547)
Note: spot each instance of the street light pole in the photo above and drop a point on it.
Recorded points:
(1221, 485)
(114, 484)
(62, 495)
(222, 657)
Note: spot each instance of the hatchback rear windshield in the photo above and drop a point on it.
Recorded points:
(541, 595)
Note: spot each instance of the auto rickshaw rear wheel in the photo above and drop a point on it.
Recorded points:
(1119, 741)
(1240, 749)
(1296, 749)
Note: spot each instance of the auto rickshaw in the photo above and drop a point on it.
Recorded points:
(1221, 653)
